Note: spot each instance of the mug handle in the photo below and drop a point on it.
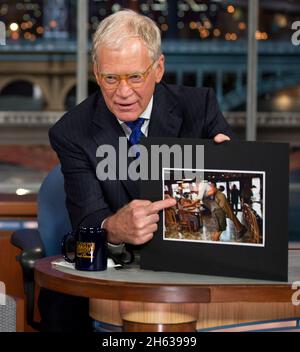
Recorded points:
(64, 241)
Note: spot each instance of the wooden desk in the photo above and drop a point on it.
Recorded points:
(143, 300)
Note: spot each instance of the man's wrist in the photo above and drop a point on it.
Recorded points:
(111, 239)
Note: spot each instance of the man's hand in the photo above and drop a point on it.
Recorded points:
(220, 138)
(136, 222)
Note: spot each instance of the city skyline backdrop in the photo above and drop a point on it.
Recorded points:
(32, 20)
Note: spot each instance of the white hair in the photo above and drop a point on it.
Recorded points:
(116, 29)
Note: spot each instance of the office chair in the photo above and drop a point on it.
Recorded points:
(53, 224)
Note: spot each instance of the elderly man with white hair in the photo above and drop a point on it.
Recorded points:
(132, 101)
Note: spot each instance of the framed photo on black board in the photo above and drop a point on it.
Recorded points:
(231, 212)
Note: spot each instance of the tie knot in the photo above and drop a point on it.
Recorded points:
(135, 125)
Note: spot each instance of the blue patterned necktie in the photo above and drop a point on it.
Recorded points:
(136, 132)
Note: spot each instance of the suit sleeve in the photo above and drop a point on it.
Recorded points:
(215, 122)
(84, 197)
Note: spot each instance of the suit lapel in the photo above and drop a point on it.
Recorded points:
(166, 116)
(107, 129)
(108, 133)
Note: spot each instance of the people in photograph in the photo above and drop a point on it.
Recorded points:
(170, 214)
(221, 188)
(222, 201)
(234, 198)
(187, 210)
(246, 195)
(214, 221)
(194, 195)
(187, 202)
(213, 217)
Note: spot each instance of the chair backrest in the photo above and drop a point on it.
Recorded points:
(170, 216)
(53, 218)
(251, 222)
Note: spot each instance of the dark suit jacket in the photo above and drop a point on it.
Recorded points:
(177, 112)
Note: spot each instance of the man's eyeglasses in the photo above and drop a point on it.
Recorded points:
(134, 80)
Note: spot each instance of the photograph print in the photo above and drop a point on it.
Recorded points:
(217, 207)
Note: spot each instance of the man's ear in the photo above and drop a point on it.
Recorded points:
(160, 69)
(95, 70)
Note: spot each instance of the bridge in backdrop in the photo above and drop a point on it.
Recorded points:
(31, 127)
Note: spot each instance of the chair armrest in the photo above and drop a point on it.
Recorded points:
(26, 238)
(30, 242)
